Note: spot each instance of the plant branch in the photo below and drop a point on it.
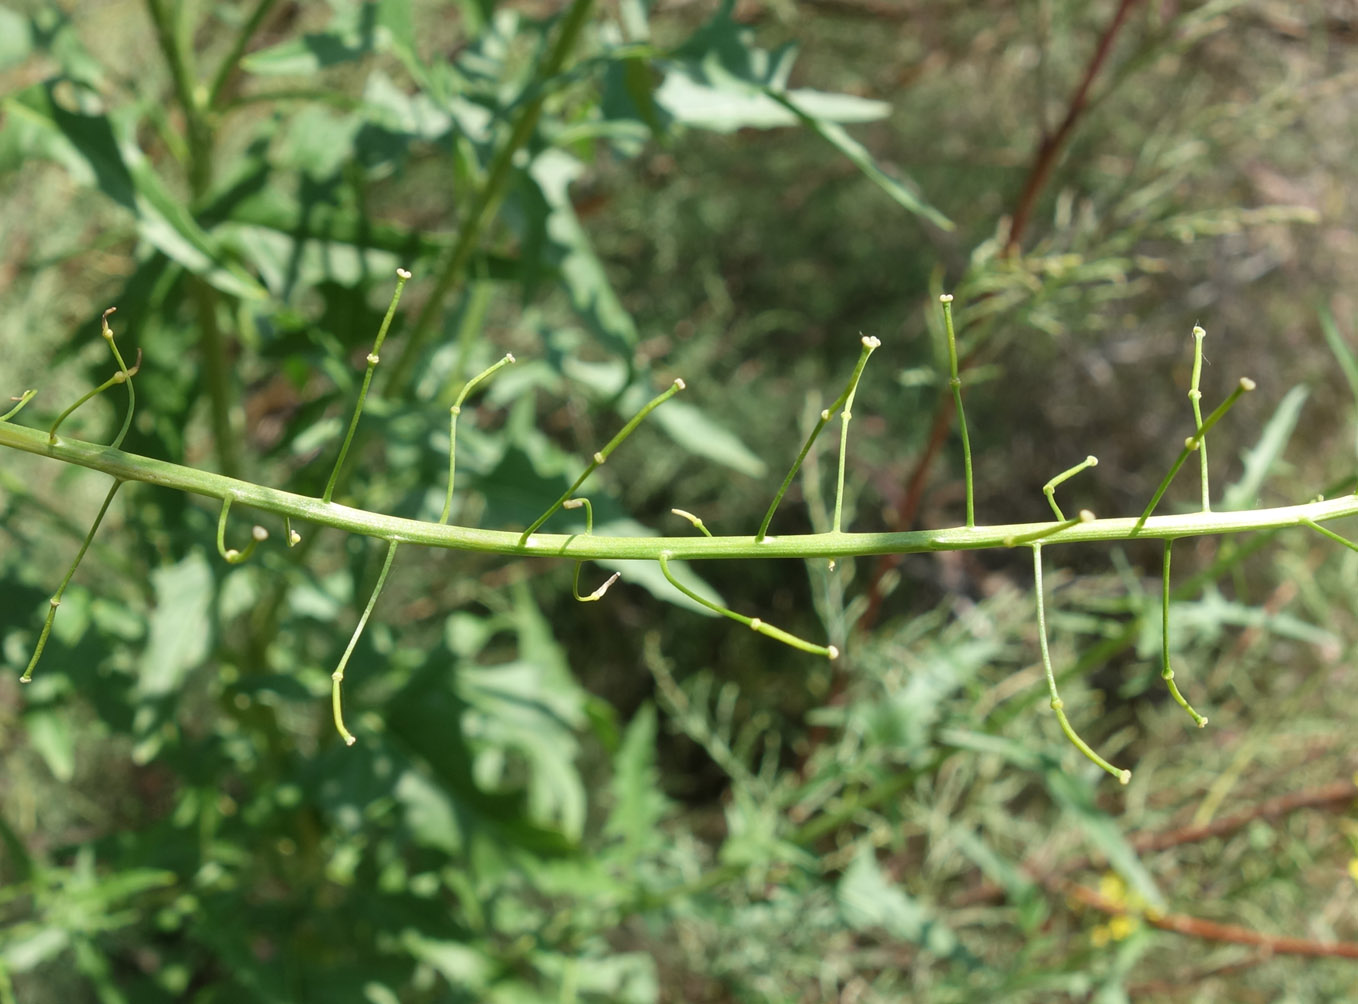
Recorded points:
(488, 198)
(1210, 930)
(1049, 151)
(131, 467)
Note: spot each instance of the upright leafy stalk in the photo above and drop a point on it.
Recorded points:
(602, 456)
(1167, 671)
(455, 411)
(869, 344)
(955, 381)
(373, 359)
(238, 44)
(1192, 443)
(487, 199)
(1195, 395)
(337, 677)
(173, 34)
(1057, 704)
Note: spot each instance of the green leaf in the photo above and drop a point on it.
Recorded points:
(695, 431)
(16, 38)
(570, 250)
(725, 104)
(1259, 461)
(99, 151)
(869, 900)
(639, 803)
(180, 626)
(1348, 362)
(835, 135)
(49, 732)
(1075, 796)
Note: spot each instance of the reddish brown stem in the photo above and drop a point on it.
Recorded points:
(1210, 930)
(1049, 150)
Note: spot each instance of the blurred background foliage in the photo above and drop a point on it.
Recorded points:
(628, 801)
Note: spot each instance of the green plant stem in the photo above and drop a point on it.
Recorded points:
(598, 594)
(1195, 396)
(1331, 534)
(846, 416)
(868, 346)
(232, 556)
(23, 399)
(1049, 489)
(238, 44)
(488, 198)
(402, 276)
(955, 381)
(123, 376)
(55, 601)
(1194, 442)
(753, 623)
(695, 520)
(1057, 704)
(1046, 532)
(602, 456)
(337, 677)
(454, 412)
(1167, 671)
(131, 467)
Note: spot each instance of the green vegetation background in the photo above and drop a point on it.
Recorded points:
(629, 801)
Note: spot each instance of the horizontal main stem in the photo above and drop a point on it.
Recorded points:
(131, 467)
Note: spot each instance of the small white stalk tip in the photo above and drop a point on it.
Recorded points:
(402, 273)
(259, 533)
(871, 342)
(1086, 516)
(1198, 331)
(1124, 777)
(832, 652)
(945, 298)
(679, 382)
(1092, 460)
(572, 503)
(509, 357)
(1247, 384)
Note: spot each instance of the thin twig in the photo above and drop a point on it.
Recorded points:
(1049, 150)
